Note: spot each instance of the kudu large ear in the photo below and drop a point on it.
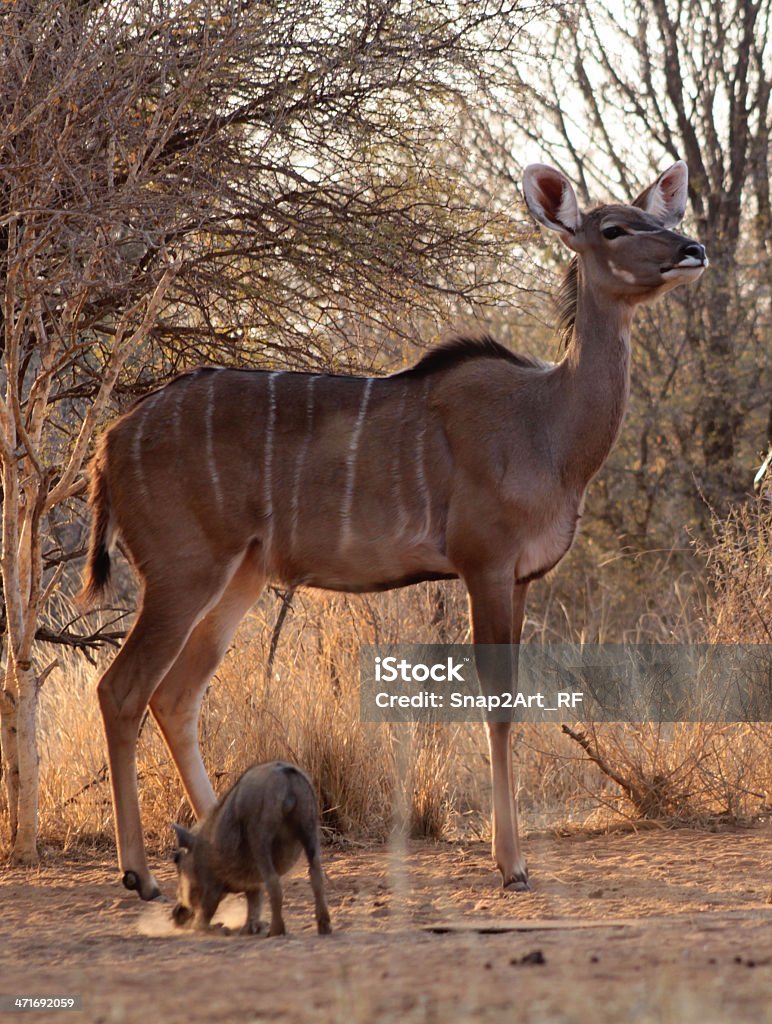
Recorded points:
(185, 839)
(551, 199)
(666, 198)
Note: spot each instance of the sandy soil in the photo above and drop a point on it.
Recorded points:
(670, 927)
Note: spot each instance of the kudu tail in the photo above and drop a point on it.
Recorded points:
(97, 572)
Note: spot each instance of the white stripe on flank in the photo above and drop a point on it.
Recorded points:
(136, 448)
(268, 459)
(210, 457)
(401, 517)
(300, 464)
(351, 461)
(178, 392)
(420, 466)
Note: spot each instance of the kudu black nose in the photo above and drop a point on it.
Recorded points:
(694, 249)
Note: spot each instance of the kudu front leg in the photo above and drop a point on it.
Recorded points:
(497, 619)
(176, 703)
(506, 836)
(124, 691)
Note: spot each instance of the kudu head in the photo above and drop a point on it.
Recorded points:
(629, 253)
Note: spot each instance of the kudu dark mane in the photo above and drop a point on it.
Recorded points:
(457, 350)
(566, 298)
(462, 349)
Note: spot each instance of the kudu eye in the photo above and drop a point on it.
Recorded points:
(614, 231)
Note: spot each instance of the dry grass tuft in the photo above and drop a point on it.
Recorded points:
(704, 771)
(740, 566)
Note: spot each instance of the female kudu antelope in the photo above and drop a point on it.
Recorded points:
(472, 464)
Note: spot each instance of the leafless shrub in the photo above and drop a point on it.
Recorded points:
(739, 563)
(704, 770)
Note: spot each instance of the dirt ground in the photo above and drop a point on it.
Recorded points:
(666, 926)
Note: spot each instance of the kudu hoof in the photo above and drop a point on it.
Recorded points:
(148, 891)
(516, 885)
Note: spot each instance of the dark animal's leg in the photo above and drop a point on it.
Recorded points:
(273, 885)
(208, 909)
(254, 906)
(316, 875)
(309, 837)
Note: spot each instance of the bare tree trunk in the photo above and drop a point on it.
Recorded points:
(24, 849)
(10, 750)
(2, 692)
(21, 560)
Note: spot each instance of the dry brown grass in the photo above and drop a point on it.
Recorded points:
(703, 771)
(307, 711)
(740, 566)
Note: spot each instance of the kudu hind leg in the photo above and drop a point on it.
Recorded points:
(161, 630)
(177, 701)
(497, 618)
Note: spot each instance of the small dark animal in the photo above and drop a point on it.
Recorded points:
(252, 836)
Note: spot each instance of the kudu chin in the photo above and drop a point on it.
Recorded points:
(471, 464)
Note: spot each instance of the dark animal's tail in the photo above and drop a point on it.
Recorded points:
(97, 574)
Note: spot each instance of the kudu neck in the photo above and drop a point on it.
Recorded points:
(596, 380)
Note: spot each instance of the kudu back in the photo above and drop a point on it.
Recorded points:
(471, 464)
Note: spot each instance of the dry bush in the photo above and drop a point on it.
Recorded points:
(698, 772)
(703, 771)
(429, 775)
(740, 566)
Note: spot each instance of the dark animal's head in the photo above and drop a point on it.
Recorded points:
(188, 887)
